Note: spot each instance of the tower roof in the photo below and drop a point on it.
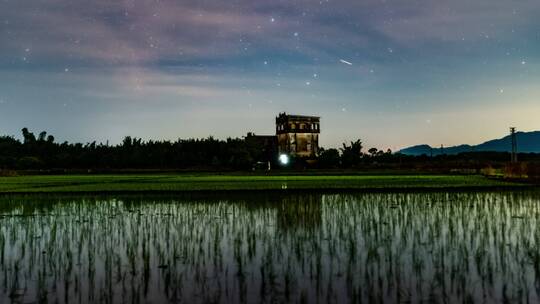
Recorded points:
(286, 116)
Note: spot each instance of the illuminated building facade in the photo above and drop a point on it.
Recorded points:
(298, 135)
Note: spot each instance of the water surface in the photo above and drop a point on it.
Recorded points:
(270, 247)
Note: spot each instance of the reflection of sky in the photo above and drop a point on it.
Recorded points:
(420, 71)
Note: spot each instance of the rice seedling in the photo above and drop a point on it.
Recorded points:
(151, 183)
(271, 247)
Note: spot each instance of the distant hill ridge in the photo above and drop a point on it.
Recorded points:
(528, 142)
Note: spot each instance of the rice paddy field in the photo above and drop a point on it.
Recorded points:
(182, 183)
(271, 247)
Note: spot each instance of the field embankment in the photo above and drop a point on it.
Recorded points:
(183, 183)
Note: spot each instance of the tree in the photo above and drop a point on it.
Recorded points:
(28, 136)
(127, 142)
(329, 158)
(42, 136)
(350, 155)
(373, 151)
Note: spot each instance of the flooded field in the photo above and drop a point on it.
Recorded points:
(269, 247)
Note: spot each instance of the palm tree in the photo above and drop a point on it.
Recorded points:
(350, 155)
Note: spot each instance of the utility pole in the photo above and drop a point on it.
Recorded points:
(514, 144)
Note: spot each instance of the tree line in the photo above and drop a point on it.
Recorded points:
(42, 152)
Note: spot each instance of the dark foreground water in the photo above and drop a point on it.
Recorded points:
(312, 248)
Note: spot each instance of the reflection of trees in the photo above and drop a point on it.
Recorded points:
(26, 205)
(294, 210)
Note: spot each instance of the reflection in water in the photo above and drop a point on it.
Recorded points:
(299, 212)
(459, 247)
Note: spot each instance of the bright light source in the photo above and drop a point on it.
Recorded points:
(284, 159)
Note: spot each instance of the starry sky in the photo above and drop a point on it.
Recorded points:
(393, 73)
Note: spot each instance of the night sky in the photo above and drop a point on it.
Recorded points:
(393, 73)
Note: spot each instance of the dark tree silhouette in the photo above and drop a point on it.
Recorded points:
(132, 153)
(329, 158)
(42, 136)
(213, 154)
(373, 151)
(29, 138)
(351, 155)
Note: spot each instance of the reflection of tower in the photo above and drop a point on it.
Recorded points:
(300, 211)
(514, 144)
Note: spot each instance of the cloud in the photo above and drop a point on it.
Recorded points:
(458, 20)
(149, 32)
(125, 32)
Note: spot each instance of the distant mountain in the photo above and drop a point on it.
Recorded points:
(528, 142)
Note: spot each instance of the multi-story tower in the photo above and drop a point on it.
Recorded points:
(298, 135)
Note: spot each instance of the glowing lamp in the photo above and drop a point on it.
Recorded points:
(284, 159)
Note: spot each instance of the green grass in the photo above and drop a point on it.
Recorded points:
(179, 183)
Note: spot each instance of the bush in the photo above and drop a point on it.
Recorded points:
(329, 158)
(29, 162)
(8, 173)
(522, 170)
(488, 171)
